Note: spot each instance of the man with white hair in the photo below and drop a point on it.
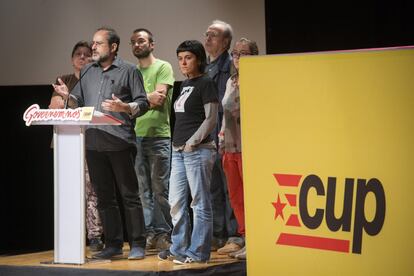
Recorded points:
(217, 43)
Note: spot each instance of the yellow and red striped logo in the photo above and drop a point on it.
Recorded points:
(310, 220)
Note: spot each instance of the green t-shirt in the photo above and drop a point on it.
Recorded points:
(156, 122)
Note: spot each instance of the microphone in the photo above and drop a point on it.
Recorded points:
(65, 106)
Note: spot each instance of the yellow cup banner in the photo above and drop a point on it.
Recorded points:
(328, 162)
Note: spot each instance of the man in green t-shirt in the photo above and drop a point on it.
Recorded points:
(152, 163)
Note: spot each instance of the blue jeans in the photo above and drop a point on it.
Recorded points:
(152, 166)
(191, 174)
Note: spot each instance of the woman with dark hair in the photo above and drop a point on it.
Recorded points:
(81, 55)
(193, 156)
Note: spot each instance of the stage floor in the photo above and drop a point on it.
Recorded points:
(151, 263)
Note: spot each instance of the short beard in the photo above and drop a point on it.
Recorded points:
(100, 59)
(143, 54)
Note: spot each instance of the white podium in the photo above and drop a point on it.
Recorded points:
(69, 185)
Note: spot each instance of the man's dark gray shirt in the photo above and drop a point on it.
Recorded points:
(95, 86)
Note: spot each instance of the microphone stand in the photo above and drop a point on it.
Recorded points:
(66, 103)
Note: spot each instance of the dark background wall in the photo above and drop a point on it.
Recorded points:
(306, 26)
(26, 198)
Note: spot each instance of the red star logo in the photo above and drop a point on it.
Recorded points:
(279, 207)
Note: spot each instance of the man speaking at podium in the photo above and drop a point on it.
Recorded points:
(114, 87)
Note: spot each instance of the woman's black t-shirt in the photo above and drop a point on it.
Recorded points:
(189, 107)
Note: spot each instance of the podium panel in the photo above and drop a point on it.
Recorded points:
(69, 167)
(69, 174)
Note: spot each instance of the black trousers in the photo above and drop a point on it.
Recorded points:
(107, 169)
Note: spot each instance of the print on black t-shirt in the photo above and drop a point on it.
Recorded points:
(185, 93)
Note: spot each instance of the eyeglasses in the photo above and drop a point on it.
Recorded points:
(139, 42)
(236, 54)
(211, 34)
(98, 43)
(80, 54)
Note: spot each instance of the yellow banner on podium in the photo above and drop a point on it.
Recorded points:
(328, 149)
